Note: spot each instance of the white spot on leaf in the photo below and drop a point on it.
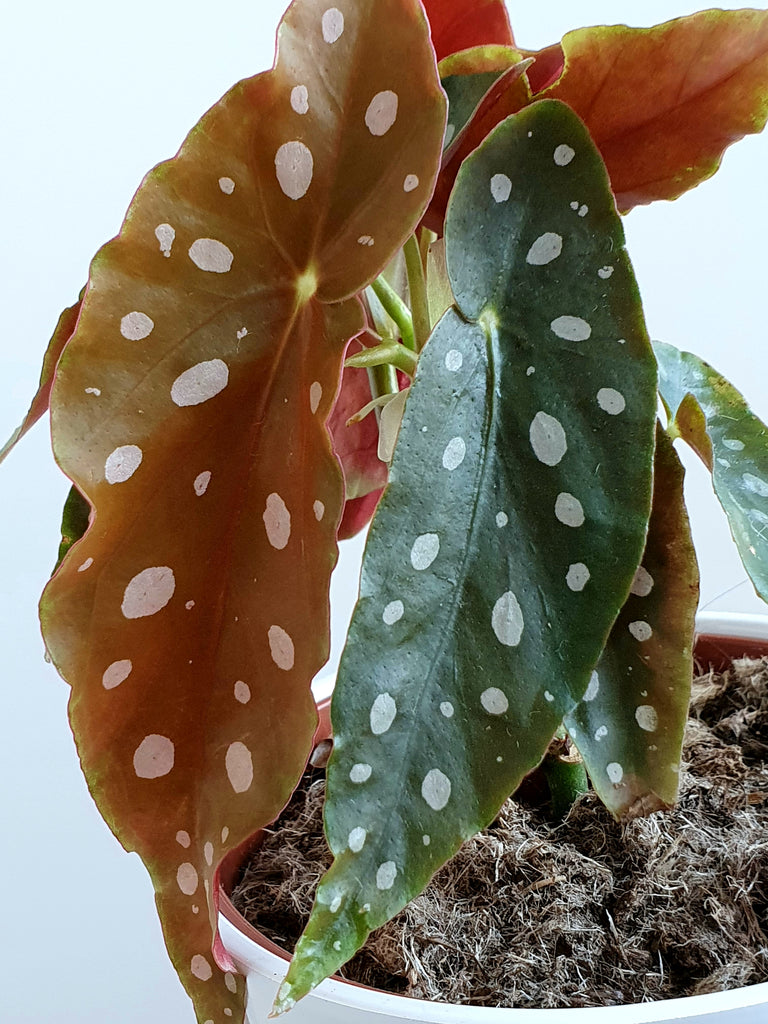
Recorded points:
(122, 463)
(315, 396)
(365, 240)
(382, 112)
(569, 510)
(182, 838)
(507, 620)
(201, 482)
(571, 328)
(755, 484)
(611, 401)
(446, 709)
(356, 840)
(239, 765)
(201, 968)
(200, 383)
(501, 188)
(116, 673)
(227, 186)
(148, 592)
(453, 360)
(136, 326)
(640, 631)
(494, 701)
(281, 648)
(601, 733)
(642, 584)
(594, 687)
(393, 613)
(294, 168)
(545, 249)
(436, 789)
(165, 235)
(300, 99)
(615, 772)
(333, 25)
(411, 182)
(424, 551)
(501, 519)
(563, 155)
(734, 444)
(277, 522)
(86, 565)
(187, 879)
(647, 718)
(577, 577)
(242, 692)
(385, 876)
(210, 255)
(383, 712)
(605, 273)
(360, 773)
(548, 439)
(319, 510)
(454, 453)
(154, 757)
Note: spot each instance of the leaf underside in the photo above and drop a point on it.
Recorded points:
(39, 405)
(663, 103)
(629, 727)
(458, 25)
(713, 418)
(513, 523)
(189, 409)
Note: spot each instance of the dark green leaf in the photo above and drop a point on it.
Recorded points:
(629, 727)
(508, 537)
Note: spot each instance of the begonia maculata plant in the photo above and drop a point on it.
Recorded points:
(387, 278)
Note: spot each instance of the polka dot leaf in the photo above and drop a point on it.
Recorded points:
(629, 728)
(190, 409)
(713, 418)
(468, 644)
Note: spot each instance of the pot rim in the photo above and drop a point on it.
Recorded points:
(253, 952)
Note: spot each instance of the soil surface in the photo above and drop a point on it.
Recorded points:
(589, 912)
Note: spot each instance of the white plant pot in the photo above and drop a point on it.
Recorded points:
(340, 1002)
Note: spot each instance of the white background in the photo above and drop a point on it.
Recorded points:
(94, 94)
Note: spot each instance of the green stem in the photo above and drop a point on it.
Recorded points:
(397, 309)
(395, 355)
(565, 774)
(417, 286)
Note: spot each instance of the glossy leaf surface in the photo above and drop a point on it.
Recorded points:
(39, 404)
(713, 418)
(663, 103)
(629, 726)
(507, 539)
(190, 409)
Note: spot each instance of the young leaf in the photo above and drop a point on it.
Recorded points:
(713, 418)
(462, 24)
(642, 683)
(189, 409)
(39, 405)
(507, 539)
(663, 131)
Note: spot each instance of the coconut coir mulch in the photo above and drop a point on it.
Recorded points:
(590, 912)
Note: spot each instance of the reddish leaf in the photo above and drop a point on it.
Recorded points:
(39, 405)
(356, 446)
(190, 409)
(547, 67)
(663, 103)
(461, 24)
